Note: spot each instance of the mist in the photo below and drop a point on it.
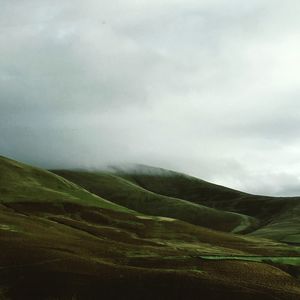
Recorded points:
(208, 88)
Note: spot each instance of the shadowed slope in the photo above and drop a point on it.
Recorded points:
(174, 184)
(278, 216)
(130, 195)
(85, 253)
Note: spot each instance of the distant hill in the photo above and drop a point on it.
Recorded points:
(272, 217)
(131, 195)
(278, 217)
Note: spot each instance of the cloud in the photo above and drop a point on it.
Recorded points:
(205, 87)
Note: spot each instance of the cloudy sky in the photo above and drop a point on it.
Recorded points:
(207, 87)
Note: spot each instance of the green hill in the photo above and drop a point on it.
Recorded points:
(60, 241)
(133, 196)
(23, 183)
(174, 184)
(278, 217)
(162, 192)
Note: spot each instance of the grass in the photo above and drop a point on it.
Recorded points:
(277, 217)
(174, 184)
(59, 240)
(130, 195)
(284, 260)
(166, 193)
(58, 255)
(23, 183)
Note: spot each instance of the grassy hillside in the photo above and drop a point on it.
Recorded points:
(174, 184)
(24, 183)
(87, 253)
(83, 252)
(130, 195)
(72, 244)
(167, 193)
(278, 216)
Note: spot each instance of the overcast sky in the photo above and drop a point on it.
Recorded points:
(207, 87)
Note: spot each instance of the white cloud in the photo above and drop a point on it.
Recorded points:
(206, 87)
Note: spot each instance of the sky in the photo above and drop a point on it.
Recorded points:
(205, 87)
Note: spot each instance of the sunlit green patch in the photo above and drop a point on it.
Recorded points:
(293, 238)
(8, 228)
(285, 260)
(23, 183)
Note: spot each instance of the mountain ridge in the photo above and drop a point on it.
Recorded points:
(265, 213)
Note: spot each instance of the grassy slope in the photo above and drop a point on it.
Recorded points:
(23, 183)
(174, 184)
(79, 251)
(284, 227)
(86, 252)
(278, 216)
(128, 194)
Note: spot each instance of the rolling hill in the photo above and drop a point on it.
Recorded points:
(163, 192)
(61, 241)
(133, 196)
(277, 217)
(21, 183)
